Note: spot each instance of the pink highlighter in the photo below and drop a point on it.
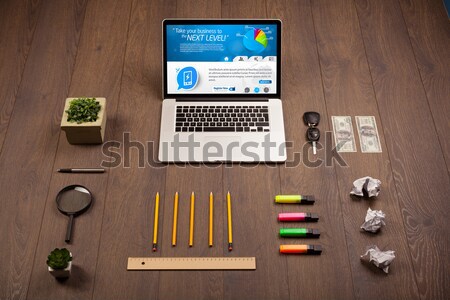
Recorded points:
(298, 217)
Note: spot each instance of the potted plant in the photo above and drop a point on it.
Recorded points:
(59, 263)
(84, 120)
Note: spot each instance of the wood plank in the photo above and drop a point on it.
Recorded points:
(302, 91)
(429, 32)
(255, 229)
(348, 90)
(98, 72)
(129, 205)
(17, 24)
(30, 143)
(420, 175)
(202, 179)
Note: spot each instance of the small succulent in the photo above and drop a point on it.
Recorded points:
(83, 110)
(59, 258)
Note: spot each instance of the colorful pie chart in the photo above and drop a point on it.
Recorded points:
(255, 40)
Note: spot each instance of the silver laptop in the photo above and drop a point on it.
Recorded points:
(222, 86)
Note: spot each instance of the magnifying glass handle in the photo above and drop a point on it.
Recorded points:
(69, 229)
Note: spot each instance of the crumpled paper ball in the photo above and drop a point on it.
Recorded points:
(366, 187)
(374, 220)
(381, 259)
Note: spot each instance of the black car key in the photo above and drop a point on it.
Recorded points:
(313, 135)
(312, 119)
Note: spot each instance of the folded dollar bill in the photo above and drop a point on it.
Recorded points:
(343, 133)
(368, 134)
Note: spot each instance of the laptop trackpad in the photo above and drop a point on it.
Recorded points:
(222, 140)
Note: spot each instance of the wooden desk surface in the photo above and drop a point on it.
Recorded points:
(384, 58)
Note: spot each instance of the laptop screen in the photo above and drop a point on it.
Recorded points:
(221, 58)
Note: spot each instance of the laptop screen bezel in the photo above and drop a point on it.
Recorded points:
(202, 96)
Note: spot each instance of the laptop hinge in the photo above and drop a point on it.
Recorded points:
(222, 99)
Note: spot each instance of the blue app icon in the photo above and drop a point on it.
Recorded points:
(256, 89)
(187, 78)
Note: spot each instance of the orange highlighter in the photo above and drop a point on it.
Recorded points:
(301, 249)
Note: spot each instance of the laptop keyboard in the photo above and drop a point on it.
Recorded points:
(222, 119)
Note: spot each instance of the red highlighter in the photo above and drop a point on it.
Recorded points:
(298, 217)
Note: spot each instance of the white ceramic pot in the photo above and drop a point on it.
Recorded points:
(61, 273)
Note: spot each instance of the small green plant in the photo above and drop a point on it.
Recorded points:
(83, 110)
(59, 258)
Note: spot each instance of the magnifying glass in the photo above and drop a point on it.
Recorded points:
(72, 201)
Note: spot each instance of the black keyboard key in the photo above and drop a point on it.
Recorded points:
(262, 124)
(215, 129)
(251, 124)
(179, 110)
(245, 124)
(198, 129)
(181, 120)
(225, 124)
(177, 129)
(246, 128)
(184, 129)
(222, 119)
(260, 129)
(179, 124)
(191, 129)
(180, 115)
(239, 128)
(238, 124)
(218, 124)
(266, 129)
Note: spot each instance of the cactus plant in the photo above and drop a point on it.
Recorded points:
(59, 259)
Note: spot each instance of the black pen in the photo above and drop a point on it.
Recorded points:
(89, 170)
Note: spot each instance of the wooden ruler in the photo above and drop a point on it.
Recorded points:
(191, 263)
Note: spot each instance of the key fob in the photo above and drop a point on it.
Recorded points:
(311, 118)
(313, 134)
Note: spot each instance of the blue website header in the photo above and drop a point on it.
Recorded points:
(220, 42)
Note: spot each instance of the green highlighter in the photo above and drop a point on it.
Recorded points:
(299, 232)
(295, 199)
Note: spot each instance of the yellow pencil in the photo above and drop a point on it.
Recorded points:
(155, 224)
(191, 223)
(175, 219)
(230, 227)
(211, 213)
